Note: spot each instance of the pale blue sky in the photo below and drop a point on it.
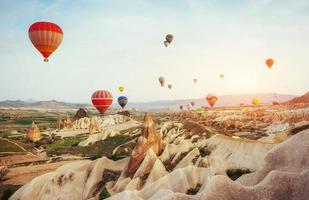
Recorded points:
(112, 43)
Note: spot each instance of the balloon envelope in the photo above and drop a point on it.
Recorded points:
(221, 76)
(169, 86)
(102, 99)
(162, 80)
(194, 80)
(269, 62)
(192, 103)
(211, 99)
(168, 39)
(46, 37)
(121, 88)
(255, 101)
(122, 101)
(181, 107)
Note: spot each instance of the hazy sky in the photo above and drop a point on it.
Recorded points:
(120, 42)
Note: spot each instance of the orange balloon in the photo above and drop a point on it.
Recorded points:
(162, 80)
(211, 99)
(269, 62)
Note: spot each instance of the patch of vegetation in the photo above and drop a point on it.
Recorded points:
(94, 151)
(204, 151)
(24, 121)
(104, 194)
(236, 173)
(6, 146)
(8, 190)
(66, 142)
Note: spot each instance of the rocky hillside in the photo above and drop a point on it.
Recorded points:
(299, 100)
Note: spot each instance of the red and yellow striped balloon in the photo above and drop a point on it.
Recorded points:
(46, 37)
(102, 99)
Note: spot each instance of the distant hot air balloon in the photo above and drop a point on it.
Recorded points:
(121, 88)
(269, 62)
(221, 76)
(122, 101)
(211, 99)
(169, 86)
(162, 80)
(181, 107)
(46, 37)
(200, 110)
(189, 107)
(102, 99)
(168, 39)
(255, 101)
(195, 80)
(192, 103)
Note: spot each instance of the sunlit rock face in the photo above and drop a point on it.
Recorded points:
(181, 160)
(149, 139)
(94, 126)
(67, 122)
(34, 133)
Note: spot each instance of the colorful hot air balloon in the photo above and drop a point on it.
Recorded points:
(200, 110)
(102, 99)
(168, 39)
(195, 80)
(189, 107)
(169, 86)
(269, 62)
(211, 99)
(192, 103)
(162, 80)
(181, 107)
(221, 76)
(255, 101)
(121, 88)
(122, 101)
(46, 37)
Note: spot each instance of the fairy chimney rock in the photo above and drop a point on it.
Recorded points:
(33, 133)
(149, 139)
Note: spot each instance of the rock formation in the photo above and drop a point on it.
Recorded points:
(148, 140)
(67, 122)
(59, 124)
(81, 113)
(33, 133)
(94, 126)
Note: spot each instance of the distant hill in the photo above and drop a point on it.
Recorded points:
(301, 99)
(53, 104)
(224, 100)
(165, 105)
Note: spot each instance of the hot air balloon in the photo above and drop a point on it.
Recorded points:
(169, 86)
(102, 99)
(168, 39)
(122, 101)
(181, 107)
(121, 88)
(211, 99)
(162, 80)
(189, 107)
(200, 110)
(255, 101)
(195, 80)
(46, 37)
(269, 62)
(192, 103)
(221, 76)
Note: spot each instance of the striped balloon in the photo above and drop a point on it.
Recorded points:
(46, 37)
(122, 101)
(102, 99)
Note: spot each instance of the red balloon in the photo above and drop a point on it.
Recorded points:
(192, 103)
(102, 99)
(46, 37)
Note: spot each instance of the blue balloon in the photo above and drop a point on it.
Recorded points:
(122, 101)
